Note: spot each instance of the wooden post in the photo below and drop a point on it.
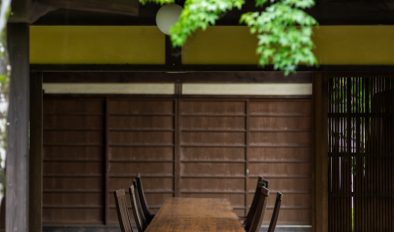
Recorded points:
(36, 155)
(320, 95)
(17, 163)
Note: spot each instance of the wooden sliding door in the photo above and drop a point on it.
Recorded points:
(183, 146)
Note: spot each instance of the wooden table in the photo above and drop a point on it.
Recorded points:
(195, 215)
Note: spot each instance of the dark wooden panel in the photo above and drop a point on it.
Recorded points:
(129, 106)
(72, 137)
(287, 170)
(77, 198)
(73, 160)
(72, 153)
(72, 168)
(151, 184)
(212, 154)
(72, 106)
(206, 138)
(132, 169)
(280, 154)
(140, 122)
(71, 216)
(276, 138)
(280, 123)
(213, 123)
(140, 140)
(287, 185)
(141, 154)
(213, 169)
(205, 106)
(281, 108)
(146, 138)
(79, 122)
(71, 184)
(208, 185)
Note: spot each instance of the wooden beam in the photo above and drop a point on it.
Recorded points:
(36, 152)
(27, 11)
(127, 7)
(17, 162)
(320, 96)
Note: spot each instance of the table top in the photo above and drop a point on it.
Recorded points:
(195, 215)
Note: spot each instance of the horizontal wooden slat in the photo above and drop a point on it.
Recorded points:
(281, 169)
(212, 153)
(72, 216)
(140, 122)
(150, 184)
(144, 106)
(278, 123)
(212, 123)
(135, 168)
(211, 185)
(82, 168)
(140, 137)
(280, 154)
(212, 138)
(141, 153)
(206, 107)
(60, 106)
(77, 198)
(71, 183)
(72, 137)
(291, 107)
(212, 169)
(73, 122)
(299, 138)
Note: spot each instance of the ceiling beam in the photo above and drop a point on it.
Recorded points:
(126, 7)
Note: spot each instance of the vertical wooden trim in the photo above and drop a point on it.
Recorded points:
(247, 148)
(106, 160)
(177, 145)
(173, 55)
(17, 163)
(320, 97)
(36, 152)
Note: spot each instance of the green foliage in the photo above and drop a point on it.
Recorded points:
(199, 14)
(283, 28)
(284, 33)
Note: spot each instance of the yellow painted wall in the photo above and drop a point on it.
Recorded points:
(335, 45)
(96, 45)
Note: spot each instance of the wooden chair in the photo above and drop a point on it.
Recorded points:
(144, 205)
(275, 213)
(122, 210)
(260, 209)
(139, 218)
(249, 216)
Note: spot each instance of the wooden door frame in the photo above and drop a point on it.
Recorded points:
(320, 205)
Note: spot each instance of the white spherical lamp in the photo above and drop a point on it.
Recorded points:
(167, 16)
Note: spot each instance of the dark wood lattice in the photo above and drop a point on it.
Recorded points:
(361, 153)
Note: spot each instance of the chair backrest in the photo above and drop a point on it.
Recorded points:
(260, 209)
(122, 210)
(249, 217)
(137, 212)
(144, 205)
(275, 213)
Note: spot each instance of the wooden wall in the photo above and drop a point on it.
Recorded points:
(183, 146)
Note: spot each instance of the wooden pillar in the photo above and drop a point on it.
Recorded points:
(320, 96)
(36, 152)
(17, 161)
